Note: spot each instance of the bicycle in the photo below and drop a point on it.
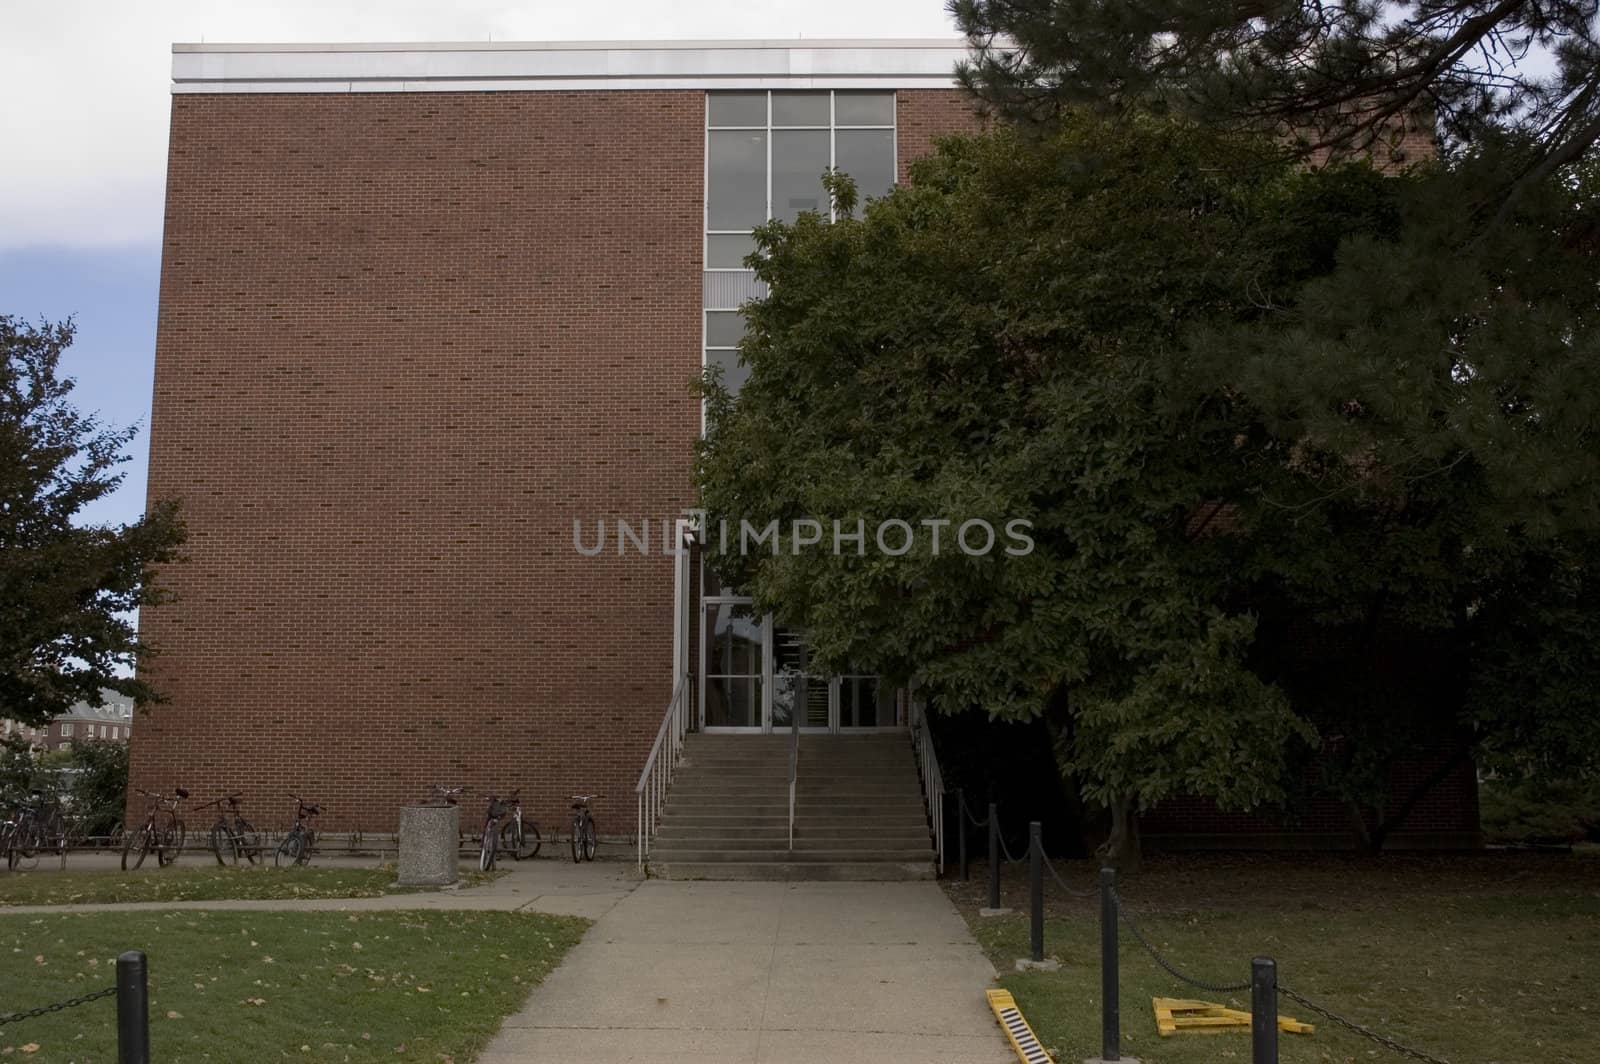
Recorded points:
(38, 826)
(295, 849)
(583, 834)
(505, 829)
(166, 838)
(238, 839)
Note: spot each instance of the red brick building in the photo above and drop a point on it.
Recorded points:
(422, 307)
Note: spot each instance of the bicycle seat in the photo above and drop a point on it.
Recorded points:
(180, 792)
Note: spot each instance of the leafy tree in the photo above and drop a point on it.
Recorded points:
(1343, 77)
(994, 342)
(66, 590)
(1309, 458)
(99, 787)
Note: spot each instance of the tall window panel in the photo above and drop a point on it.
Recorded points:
(765, 156)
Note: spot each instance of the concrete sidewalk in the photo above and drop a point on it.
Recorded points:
(724, 972)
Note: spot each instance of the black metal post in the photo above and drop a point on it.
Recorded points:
(1263, 1011)
(994, 858)
(1110, 1003)
(961, 818)
(1036, 889)
(133, 1009)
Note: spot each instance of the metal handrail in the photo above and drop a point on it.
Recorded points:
(928, 767)
(794, 759)
(665, 753)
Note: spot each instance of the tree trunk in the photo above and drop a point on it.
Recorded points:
(1121, 848)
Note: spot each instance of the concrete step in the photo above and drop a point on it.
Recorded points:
(668, 854)
(738, 821)
(792, 870)
(780, 836)
(734, 790)
(834, 848)
(775, 805)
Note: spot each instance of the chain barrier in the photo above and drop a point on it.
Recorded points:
(1001, 835)
(974, 821)
(1356, 1028)
(1172, 970)
(45, 1010)
(1050, 867)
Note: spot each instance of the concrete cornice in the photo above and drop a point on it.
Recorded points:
(502, 66)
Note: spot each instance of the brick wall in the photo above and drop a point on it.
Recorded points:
(921, 116)
(404, 340)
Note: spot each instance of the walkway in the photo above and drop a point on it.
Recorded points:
(722, 972)
(808, 973)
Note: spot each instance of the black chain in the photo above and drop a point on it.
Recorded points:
(1075, 892)
(1172, 970)
(1003, 847)
(1356, 1028)
(972, 819)
(59, 1006)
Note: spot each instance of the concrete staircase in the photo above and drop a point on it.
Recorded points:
(859, 812)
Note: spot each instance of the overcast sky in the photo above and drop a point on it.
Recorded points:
(85, 81)
(84, 85)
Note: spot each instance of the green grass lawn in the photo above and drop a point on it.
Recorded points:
(261, 986)
(204, 883)
(1477, 959)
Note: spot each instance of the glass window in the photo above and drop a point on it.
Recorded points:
(66, 730)
(863, 108)
(727, 251)
(734, 372)
(724, 328)
(736, 109)
(867, 155)
(736, 165)
(800, 109)
(799, 158)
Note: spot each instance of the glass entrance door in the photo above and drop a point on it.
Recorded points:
(734, 664)
(797, 687)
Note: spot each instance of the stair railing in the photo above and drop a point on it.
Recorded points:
(794, 758)
(665, 754)
(928, 768)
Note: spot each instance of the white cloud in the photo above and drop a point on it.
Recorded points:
(85, 82)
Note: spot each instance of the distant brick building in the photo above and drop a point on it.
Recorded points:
(112, 722)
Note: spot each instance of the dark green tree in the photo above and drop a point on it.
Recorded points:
(1308, 458)
(1342, 78)
(67, 590)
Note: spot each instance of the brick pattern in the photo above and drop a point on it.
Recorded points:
(922, 116)
(404, 340)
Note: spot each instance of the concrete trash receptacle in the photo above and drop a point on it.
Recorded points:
(429, 845)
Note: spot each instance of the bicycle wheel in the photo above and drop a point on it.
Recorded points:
(486, 847)
(170, 846)
(220, 845)
(135, 845)
(246, 841)
(306, 839)
(289, 850)
(577, 840)
(520, 841)
(590, 841)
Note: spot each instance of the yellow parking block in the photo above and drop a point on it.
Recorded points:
(1018, 1033)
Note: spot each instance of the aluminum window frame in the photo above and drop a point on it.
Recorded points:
(832, 128)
